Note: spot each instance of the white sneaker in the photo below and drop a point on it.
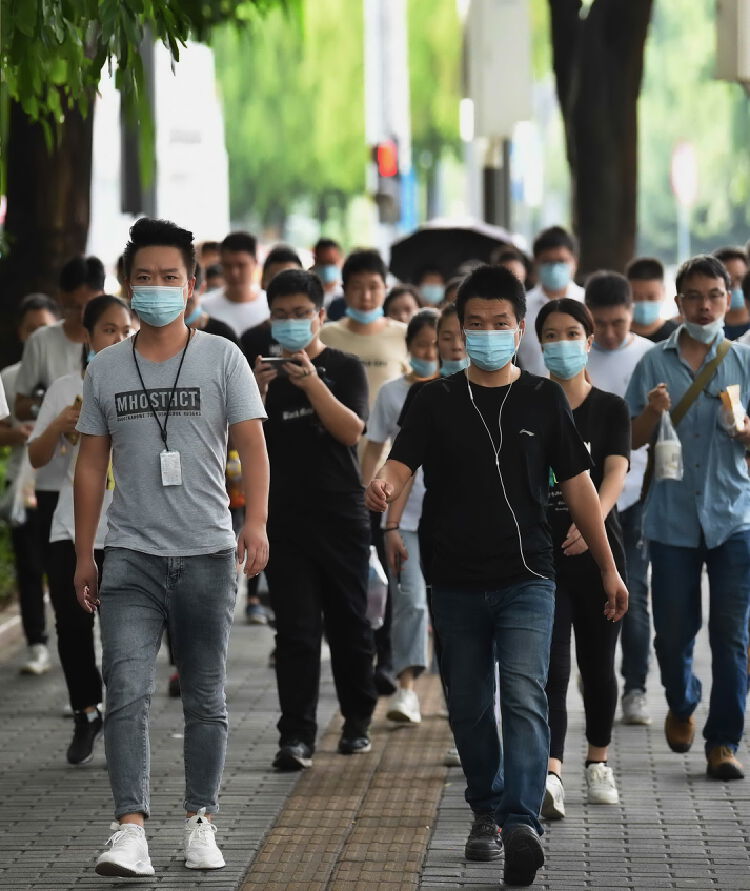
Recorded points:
(553, 804)
(452, 758)
(128, 855)
(634, 709)
(404, 707)
(37, 661)
(201, 850)
(600, 785)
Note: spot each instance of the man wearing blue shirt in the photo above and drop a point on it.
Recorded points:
(702, 519)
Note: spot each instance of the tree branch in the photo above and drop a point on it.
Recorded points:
(565, 35)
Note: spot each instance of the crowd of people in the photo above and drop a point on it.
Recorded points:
(524, 456)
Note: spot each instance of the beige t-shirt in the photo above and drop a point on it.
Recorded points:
(383, 354)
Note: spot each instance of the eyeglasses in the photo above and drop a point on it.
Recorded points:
(715, 296)
(281, 316)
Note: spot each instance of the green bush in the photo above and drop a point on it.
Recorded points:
(8, 588)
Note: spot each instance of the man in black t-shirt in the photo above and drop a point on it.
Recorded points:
(317, 523)
(486, 440)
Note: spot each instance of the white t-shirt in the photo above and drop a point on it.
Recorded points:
(8, 377)
(239, 316)
(611, 370)
(382, 426)
(530, 350)
(61, 394)
(47, 355)
(4, 411)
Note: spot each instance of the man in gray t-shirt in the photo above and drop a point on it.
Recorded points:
(165, 402)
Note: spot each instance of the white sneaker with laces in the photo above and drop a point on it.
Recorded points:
(37, 660)
(553, 804)
(600, 785)
(201, 850)
(634, 710)
(404, 707)
(128, 855)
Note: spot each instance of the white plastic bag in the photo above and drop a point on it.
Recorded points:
(377, 591)
(667, 451)
(19, 494)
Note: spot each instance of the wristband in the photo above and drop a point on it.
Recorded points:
(391, 528)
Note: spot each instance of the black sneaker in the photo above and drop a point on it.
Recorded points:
(354, 744)
(523, 855)
(484, 842)
(293, 756)
(85, 735)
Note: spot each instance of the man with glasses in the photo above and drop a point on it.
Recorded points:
(703, 518)
(318, 527)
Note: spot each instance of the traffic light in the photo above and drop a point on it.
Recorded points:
(388, 190)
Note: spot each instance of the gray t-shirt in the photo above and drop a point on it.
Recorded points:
(216, 389)
(47, 355)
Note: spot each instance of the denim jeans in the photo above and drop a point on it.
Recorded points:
(409, 618)
(141, 595)
(513, 625)
(676, 596)
(636, 623)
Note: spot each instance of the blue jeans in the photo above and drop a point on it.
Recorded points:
(514, 626)
(141, 595)
(676, 596)
(636, 623)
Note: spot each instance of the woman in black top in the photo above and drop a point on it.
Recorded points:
(565, 330)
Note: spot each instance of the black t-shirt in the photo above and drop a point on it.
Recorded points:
(476, 542)
(257, 341)
(732, 332)
(306, 461)
(662, 333)
(603, 421)
(220, 329)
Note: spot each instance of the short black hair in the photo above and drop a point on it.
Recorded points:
(80, 271)
(35, 302)
(644, 269)
(97, 307)
(574, 308)
(296, 281)
(746, 286)
(426, 318)
(731, 253)
(241, 241)
(147, 232)
(326, 244)
(430, 269)
(703, 264)
(363, 260)
(209, 246)
(446, 313)
(554, 237)
(282, 253)
(492, 283)
(213, 271)
(605, 288)
(399, 291)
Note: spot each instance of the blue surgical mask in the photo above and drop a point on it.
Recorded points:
(451, 366)
(364, 316)
(432, 294)
(292, 334)
(565, 358)
(646, 312)
(706, 333)
(554, 276)
(423, 367)
(158, 305)
(194, 315)
(738, 299)
(90, 355)
(491, 350)
(329, 273)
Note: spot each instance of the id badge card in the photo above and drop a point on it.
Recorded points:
(171, 468)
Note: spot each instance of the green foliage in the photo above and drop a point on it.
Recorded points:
(52, 51)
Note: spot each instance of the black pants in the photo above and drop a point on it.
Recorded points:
(383, 634)
(579, 602)
(75, 628)
(317, 577)
(27, 557)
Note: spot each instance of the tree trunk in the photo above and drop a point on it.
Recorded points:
(598, 62)
(48, 211)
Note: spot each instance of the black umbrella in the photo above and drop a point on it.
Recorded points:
(445, 244)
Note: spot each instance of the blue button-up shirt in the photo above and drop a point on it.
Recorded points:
(713, 498)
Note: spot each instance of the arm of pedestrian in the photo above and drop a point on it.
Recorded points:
(252, 541)
(645, 423)
(387, 485)
(585, 509)
(264, 374)
(371, 459)
(89, 484)
(395, 549)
